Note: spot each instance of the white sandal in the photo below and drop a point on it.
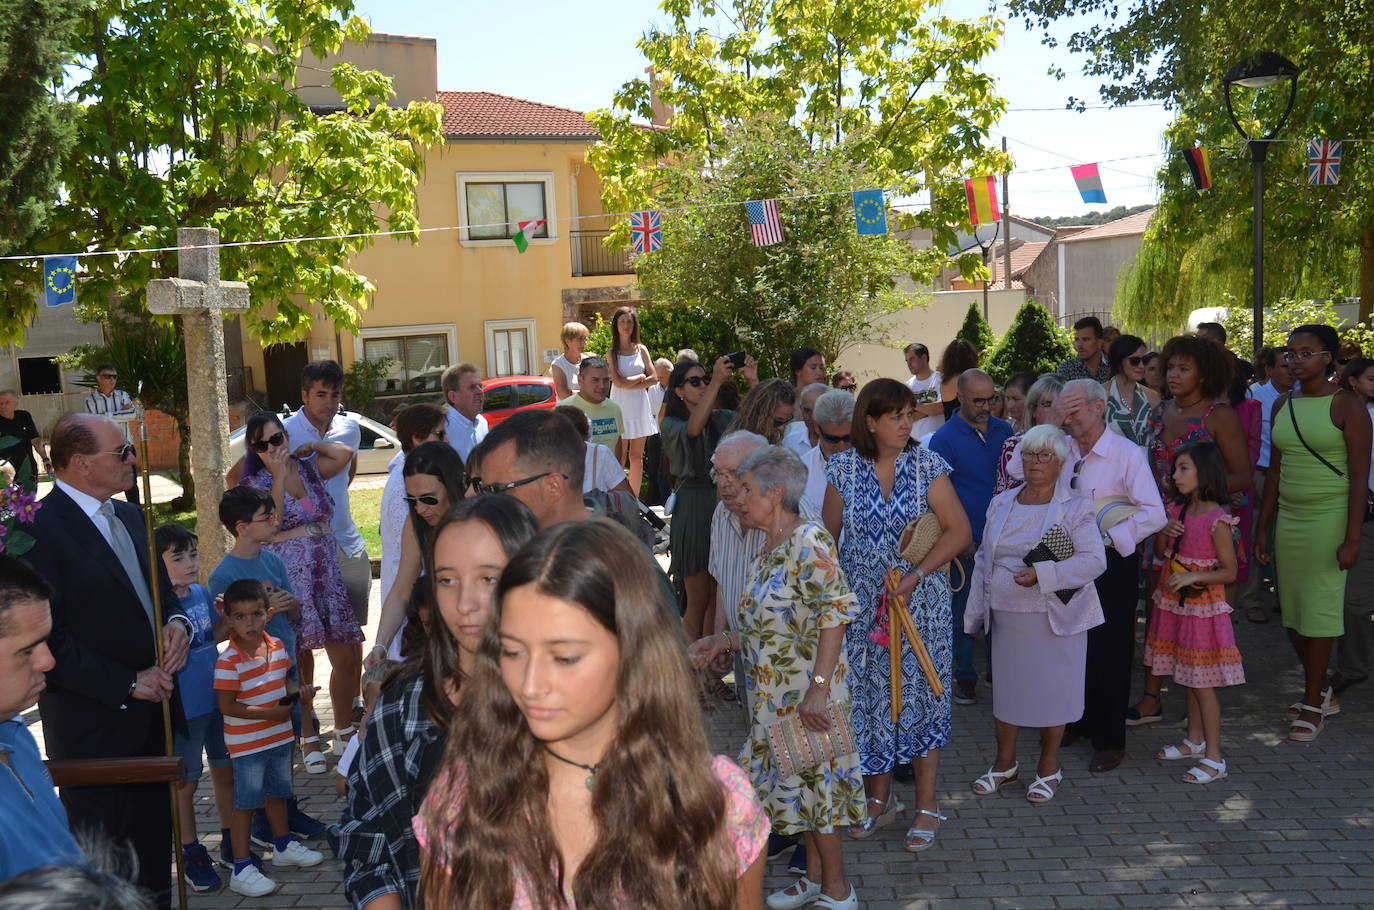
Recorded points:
(1201, 775)
(927, 835)
(1330, 708)
(874, 822)
(1174, 753)
(1304, 731)
(311, 755)
(995, 780)
(1045, 788)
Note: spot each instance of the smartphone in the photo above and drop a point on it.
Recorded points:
(290, 699)
(736, 360)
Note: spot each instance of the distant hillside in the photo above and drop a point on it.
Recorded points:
(1091, 218)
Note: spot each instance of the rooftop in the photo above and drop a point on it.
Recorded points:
(1121, 227)
(471, 115)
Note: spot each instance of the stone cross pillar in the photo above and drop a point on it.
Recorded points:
(202, 301)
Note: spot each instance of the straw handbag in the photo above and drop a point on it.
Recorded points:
(918, 539)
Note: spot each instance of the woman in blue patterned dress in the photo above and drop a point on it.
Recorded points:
(873, 490)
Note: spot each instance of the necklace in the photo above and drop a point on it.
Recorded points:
(591, 777)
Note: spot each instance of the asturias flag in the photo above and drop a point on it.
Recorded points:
(1089, 183)
(870, 215)
(982, 199)
(1200, 166)
(525, 230)
(59, 280)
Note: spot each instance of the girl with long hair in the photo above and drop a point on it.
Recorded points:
(958, 356)
(1130, 402)
(411, 719)
(767, 410)
(579, 773)
(632, 374)
(806, 365)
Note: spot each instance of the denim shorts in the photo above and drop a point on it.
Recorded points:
(262, 776)
(203, 734)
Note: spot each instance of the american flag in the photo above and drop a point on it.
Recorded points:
(646, 230)
(1323, 162)
(764, 225)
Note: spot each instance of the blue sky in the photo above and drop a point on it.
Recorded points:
(576, 54)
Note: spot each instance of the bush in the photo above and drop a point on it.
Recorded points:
(360, 383)
(977, 332)
(1033, 344)
(666, 329)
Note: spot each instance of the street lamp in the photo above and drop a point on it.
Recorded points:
(986, 248)
(1262, 70)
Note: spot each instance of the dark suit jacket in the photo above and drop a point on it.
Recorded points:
(101, 637)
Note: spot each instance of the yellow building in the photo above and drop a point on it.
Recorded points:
(468, 294)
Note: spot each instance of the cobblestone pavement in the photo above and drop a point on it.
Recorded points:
(1292, 826)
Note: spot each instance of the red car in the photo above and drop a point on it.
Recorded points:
(506, 395)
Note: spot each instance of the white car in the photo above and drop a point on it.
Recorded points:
(379, 445)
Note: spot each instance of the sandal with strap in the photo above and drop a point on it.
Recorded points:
(995, 780)
(798, 894)
(918, 839)
(1045, 788)
(1304, 731)
(874, 822)
(1329, 708)
(311, 755)
(1215, 770)
(1174, 753)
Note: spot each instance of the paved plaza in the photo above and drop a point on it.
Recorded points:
(1292, 826)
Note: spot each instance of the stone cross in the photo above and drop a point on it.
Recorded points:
(202, 301)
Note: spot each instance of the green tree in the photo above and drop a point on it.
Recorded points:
(823, 286)
(1319, 240)
(976, 331)
(1033, 344)
(896, 87)
(1286, 315)
(35, 127)
(360, 383)
(666, 329)
(192, 114)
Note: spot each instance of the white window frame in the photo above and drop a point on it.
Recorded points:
(550, 213)
(491, 326)
(401, 331)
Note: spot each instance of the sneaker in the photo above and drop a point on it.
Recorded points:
(251, 883)
(797, 864)
(965, 691)
(261, 832)
(199, 871)
(297, 854)
(301, 825)
(226, 857)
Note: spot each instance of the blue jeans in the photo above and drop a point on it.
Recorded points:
(963, 642)
(261, 776)
(203, 734)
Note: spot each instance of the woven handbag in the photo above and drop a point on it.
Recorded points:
(918, 539)
(795, 749)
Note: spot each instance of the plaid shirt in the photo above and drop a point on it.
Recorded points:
(375, 839)
(1073, 368)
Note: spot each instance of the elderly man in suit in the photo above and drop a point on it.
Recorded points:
(103, 698)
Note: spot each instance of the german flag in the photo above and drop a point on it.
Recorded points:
(1200, 167)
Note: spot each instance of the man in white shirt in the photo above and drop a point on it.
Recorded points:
(925, 384)
(464, 423)
(833, 416)
(801, 433)
(115, 403)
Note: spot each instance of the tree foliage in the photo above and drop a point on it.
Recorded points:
(191, 114)
(35, 127)
(896, 86)
(666, 329)
(1033, 344)
(1286, 315)
(1093, 218)
(976, 330)
(1319, 240)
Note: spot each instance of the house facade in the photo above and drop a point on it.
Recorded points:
(464, 292)
(1075, 273)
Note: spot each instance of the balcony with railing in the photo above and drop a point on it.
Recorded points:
(591, 257)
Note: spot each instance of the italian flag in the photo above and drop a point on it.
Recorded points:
(525, 232)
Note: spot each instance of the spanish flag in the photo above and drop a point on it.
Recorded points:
(982, 199)
(1200, 166)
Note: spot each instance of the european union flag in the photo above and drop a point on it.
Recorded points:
(870, 215)
(59, 280)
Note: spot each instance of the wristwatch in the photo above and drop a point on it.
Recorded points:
(819, 680)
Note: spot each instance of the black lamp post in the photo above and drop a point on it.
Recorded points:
(1260, 71)
(986, 248)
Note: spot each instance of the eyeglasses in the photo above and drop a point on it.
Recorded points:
(846, 388)
(1295, 356)
(271, 514)
(107, 375)
(276, 439)
(1077, 469)
(983, 402)
(835, 440)
(1042, 458)
(781, 421)
(717, 475)
(428, 499)
(506, 487)
(1136, 361)
(124, 453)
(697, 381)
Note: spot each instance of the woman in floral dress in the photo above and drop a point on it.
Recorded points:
(873, 490)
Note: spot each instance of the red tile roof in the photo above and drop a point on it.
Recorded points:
(1121, 227)
(487, 114)
(1022, 255)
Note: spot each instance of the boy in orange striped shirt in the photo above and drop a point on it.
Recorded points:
(255, 697)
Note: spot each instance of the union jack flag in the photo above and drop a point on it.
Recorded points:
(646, 230)
(1323, 162)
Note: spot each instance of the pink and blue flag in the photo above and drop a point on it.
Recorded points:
(646, 230)
(1089, 183)
(1323, 162)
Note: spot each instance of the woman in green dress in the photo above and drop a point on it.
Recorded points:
(1317, 479)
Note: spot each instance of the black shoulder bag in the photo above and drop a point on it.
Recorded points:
(1368, 494)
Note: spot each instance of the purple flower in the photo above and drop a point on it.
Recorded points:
(25, 505)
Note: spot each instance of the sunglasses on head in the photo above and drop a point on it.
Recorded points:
(276, 439)
(428, 499)
(697, 381)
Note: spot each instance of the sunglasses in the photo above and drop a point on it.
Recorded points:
(124, 453)
(276, 439)
(781, 421)
(1077, 469)
(835, 440)
(428, 499)
(107, 375)
(1136, 361)
(697, 381)
(982, 402)
(846, 388)
(506, 487)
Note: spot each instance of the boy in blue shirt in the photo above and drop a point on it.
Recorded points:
(176, 547)
(249, 514)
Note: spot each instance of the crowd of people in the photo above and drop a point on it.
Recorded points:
(526, 727)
